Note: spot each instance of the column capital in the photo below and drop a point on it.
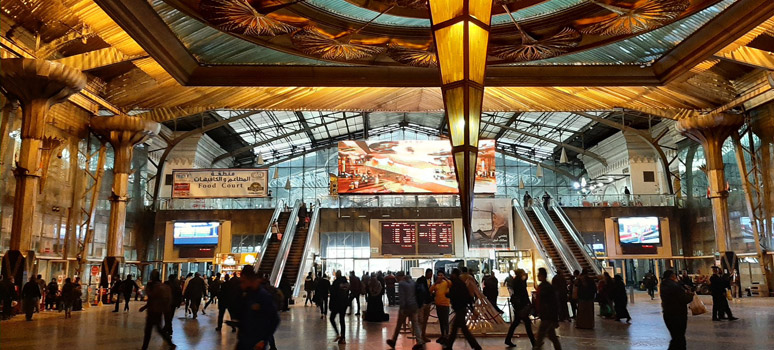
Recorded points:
(710, 130)
(124, 132)
(28, 79)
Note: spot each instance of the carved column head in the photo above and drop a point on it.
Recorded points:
(711, 131)
(124, 132)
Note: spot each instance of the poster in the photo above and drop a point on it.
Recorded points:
(220, 183)
(491, 224)
(409, 167)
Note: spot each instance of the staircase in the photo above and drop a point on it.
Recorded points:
(552, 251)
(296, 254)
(272, 249)
(576, 250)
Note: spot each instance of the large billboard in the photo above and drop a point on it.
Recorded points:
(409, 167)
(220, 183)
(491, 224)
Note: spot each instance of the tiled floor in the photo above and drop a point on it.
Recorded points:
(302, 329)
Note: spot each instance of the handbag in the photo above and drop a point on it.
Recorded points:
(697, 306)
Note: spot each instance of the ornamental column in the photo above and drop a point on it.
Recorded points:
(37, 85)
(123, 132)
(711, 131)
(461, 34)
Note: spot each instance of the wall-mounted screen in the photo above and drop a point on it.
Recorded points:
(639, 230)
(196, 233)
(417, 237)
(409, 167)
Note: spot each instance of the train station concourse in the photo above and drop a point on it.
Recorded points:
(387, 174)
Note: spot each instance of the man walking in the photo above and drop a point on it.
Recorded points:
(30, 297)
(442, 303)
(461, 300)
(159, 300)
(719, 288)
(126, 288)
(547, 307)
(389, 286)
(355, 289)
(424, 301)
(260, 317)
(674, 301)
(322, 288)
(176, 298)
(408, 310)
(194, 291)
(338, 304)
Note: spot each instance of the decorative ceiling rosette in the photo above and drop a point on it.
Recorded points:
(413, 4)
(630, 18)
(238, 16)
(532, 49)
(416, 57)
(312, 42)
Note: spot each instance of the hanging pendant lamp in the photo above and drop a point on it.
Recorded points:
(260, 159)
(276, 173)
(521, 183)
(539, 171)
(287, 184)
(563, 156)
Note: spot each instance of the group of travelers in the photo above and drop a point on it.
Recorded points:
(36, 296)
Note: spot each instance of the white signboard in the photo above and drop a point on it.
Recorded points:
(220, 183)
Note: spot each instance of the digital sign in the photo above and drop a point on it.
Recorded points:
(639, 230)
(408, 167)
(196, 233)
(417, 237)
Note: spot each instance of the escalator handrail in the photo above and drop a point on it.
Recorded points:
(305, 259)
(553, 233)
(284, 249)
(585, 250)
(267, 235)
(534, 236)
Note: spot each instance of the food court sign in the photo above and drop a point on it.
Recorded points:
(219, 183)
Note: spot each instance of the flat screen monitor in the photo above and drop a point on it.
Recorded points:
(639, 230)
(196, 233)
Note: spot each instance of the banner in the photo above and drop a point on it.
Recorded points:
(220, 183)
(492, 223)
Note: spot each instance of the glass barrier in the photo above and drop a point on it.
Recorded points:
(216, 203)
(632, 200)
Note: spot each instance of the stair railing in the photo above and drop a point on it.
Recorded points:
(267, 235)
(565, 253)
(284, 249)
(306, 260)
(585, 250)
(534, 236)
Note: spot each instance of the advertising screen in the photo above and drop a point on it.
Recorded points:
(409, 167)
(196, 233)
(639, 230)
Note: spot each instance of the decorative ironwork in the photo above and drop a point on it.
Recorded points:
(413, 56)
(413, 4)
(531, 49)
(630, 18)
(238, 16)
(313, 42)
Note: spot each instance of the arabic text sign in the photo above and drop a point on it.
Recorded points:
(220, 183)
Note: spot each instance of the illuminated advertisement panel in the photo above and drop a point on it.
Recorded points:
(408, 167)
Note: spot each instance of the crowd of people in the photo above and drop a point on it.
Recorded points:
(36, 295)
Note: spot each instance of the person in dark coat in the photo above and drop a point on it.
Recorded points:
(560, 285)
(287, 294)
(338, 304)
(587, 292)
(52, 289)
(213, 288)
(260, 318)
(7, 295)
(30, 297)
(374, 295)
(355, 289)
(521, 307)
(492, 290)
(547, 309)
(231, 292)
(719, 287)
(572, 293)
(650, 284)
(620, 299)
(126, 289)
(323, 287)
(68, 296)
(389, 287)
(176, 295)
(194, 291)
(309, 289)
(674, 300)
(461, 300)
(424, 300)
(159, 302)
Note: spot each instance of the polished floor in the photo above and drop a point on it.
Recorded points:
(302, 328)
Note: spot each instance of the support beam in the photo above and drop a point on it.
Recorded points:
(366, 125)
(749, 56)
(510, 122)
(96, 59)
(553, 141)
(305, 125)
(544, 165)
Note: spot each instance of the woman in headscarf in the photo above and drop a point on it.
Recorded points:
(620, 299)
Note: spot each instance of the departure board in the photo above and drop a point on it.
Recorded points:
(417, 237)
(399, 238)
(435, 238)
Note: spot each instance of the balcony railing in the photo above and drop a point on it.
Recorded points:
(632, 200)
(216, 203)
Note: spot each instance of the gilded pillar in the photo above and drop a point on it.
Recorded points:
(37, 85)
(123, 133)
(711, 131)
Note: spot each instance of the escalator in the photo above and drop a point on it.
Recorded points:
(271, 251)
(576, 250)
(553, 252)
(295, 254)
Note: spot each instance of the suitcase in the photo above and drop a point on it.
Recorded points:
(584, 319)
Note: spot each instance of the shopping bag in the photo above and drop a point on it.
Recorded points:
(697, 306)
(728, 295)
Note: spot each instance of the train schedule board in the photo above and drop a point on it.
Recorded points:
(406, 238)
(399, 238)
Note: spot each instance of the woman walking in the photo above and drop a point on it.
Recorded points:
(620, 299)
(521, 308)
(68, 296)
